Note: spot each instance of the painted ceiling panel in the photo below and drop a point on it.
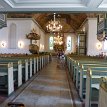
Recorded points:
(53, 5)
(44, 3)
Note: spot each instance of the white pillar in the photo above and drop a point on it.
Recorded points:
(92, 37)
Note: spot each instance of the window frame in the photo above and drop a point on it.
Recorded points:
(69, 38)
(51, 48)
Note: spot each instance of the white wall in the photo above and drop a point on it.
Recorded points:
(90, 28)
(23, 27)
(92, 37)
(47, 43)
(42, 41)
(73, 44)
(33, 25)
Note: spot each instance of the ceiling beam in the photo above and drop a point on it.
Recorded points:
(4, 5)
(94, 3)
(83, 6)
(56, 10)
(85, 2)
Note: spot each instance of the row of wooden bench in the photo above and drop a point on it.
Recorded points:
(87, 73)
(14, 71)
(103, 93)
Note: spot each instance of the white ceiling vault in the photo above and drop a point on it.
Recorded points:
(53, 5)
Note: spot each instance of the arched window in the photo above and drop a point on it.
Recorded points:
(12, 36)
(68, 43)
(51, 42)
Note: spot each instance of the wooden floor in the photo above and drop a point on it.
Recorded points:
(49, 89)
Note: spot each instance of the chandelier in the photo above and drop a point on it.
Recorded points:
(58, 40)
(54, 25)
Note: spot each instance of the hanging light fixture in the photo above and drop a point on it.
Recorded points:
(54, 25)
(58, 40)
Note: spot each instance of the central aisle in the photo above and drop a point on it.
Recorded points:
(49, 89)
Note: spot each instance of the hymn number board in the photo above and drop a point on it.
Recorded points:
(101, 28)
(3, 20)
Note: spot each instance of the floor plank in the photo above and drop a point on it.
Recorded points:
(49, 89)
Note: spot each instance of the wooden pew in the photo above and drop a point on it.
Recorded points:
(28, 64)
(25, 63)
(86, 63)
(92, 87)
(72, 62)
(83, 77)
(74, 66)
(83, 66)
(103, 93)
(7, 70)
(17, 68)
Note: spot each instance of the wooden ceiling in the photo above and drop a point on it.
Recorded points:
(70, 22)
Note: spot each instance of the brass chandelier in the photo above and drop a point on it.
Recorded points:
(54, 25)
(58, 40)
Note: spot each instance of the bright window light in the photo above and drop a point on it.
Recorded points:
(105, 45)
(51, 41)
(68, 43)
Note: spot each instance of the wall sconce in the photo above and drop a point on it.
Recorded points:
(99, 45)
(20, 44)
(41, 47)
(3, 44)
